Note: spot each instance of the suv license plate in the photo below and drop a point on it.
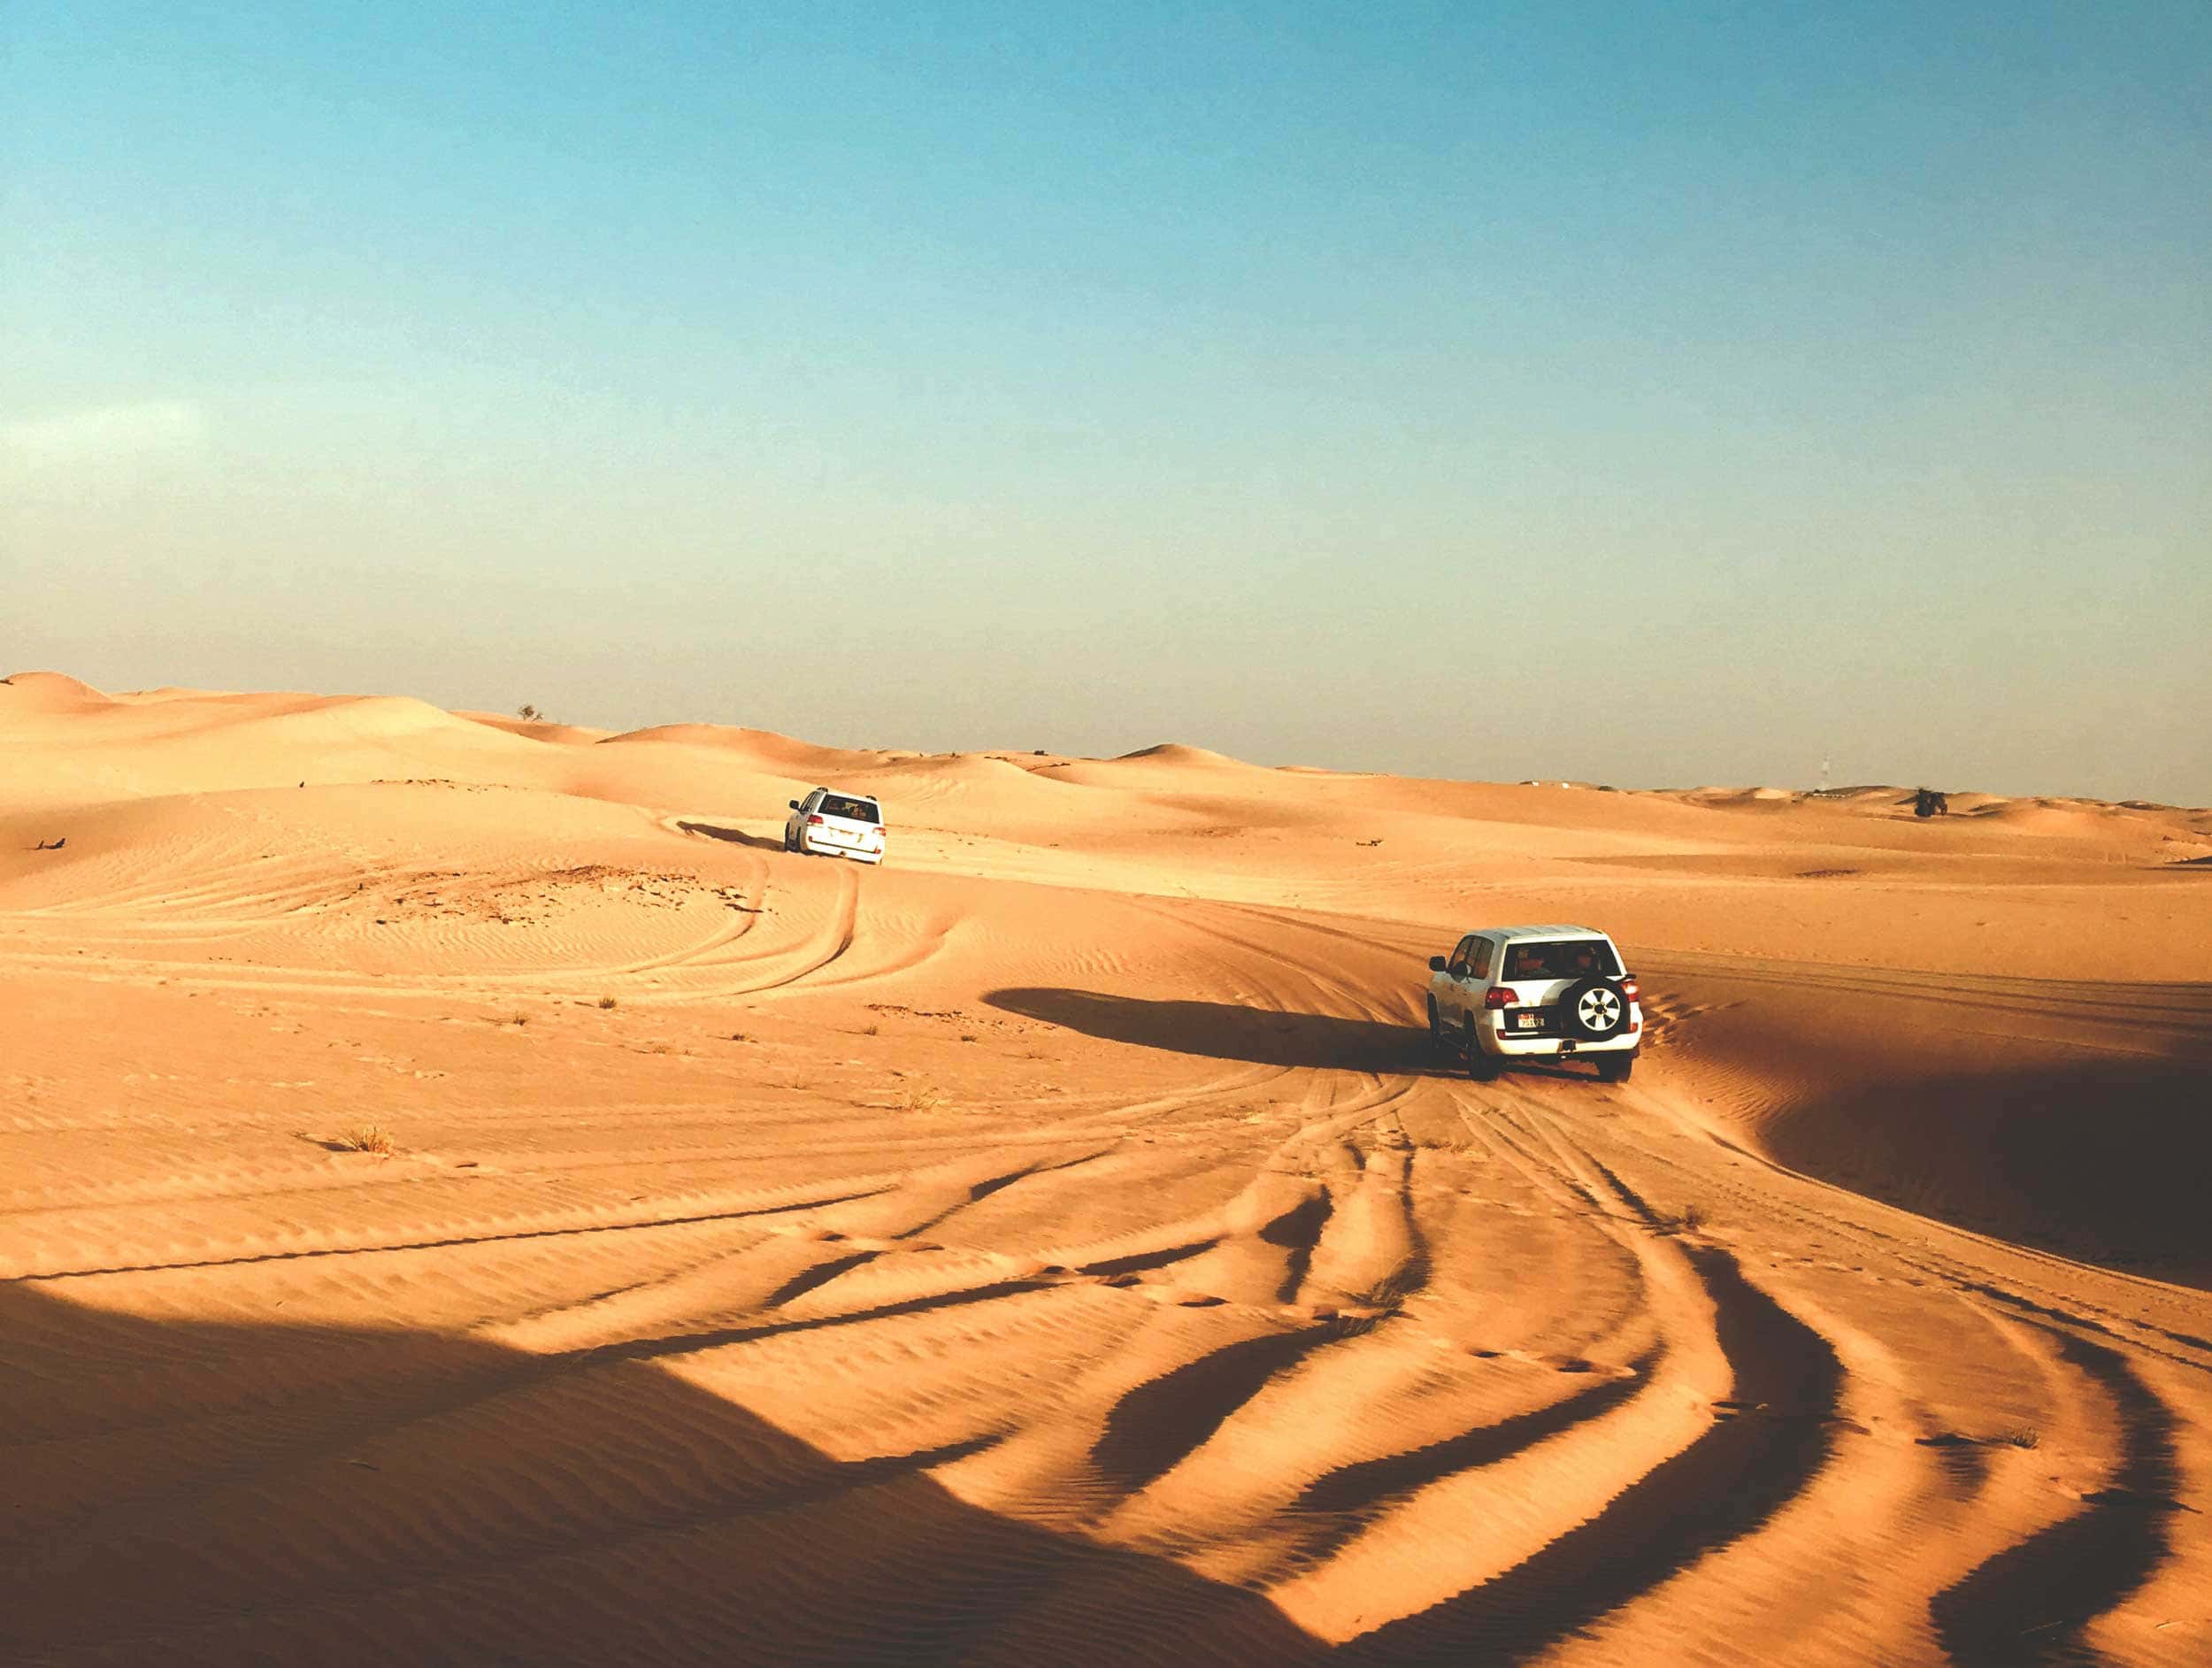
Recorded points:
(1527, 1021)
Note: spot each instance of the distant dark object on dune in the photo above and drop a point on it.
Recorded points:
(1928, 803)
(51, 845)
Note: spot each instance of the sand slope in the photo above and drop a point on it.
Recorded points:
(1061, 1244)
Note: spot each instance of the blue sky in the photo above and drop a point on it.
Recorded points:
(1655, 394)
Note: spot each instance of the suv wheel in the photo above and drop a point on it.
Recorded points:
(1614, 1068)
(1480, 1066)
(1593, 1009)
(1436, 1027)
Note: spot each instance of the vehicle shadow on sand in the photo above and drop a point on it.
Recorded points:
(1229, 1031)
(736, 837)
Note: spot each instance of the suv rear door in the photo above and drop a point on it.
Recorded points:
(1538, 971)
(848, 821)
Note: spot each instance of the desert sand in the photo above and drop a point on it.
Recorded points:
(1061, 1244)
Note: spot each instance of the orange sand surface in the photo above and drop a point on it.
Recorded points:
(1063, 1244)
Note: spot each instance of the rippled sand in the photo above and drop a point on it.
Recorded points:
(1063, 1245)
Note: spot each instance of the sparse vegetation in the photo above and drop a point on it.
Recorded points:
(1689, 1220)
(2026, 1436)
(529, 714)
(518, 1018)
(872, 1029)
(606, 1002)
(373, 1138)
(1928, 803)
(920, 1097)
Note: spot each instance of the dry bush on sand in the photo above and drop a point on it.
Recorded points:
(367, 1138)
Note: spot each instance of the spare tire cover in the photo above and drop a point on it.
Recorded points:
(1592, 1009)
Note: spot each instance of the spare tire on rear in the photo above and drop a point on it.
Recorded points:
(1592, 1010)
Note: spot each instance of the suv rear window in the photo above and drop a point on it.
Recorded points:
(1562, 958)
(858, 810)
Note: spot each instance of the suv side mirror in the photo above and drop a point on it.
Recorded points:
(795, 804)
(1436, 964)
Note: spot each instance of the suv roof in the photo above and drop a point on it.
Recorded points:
(1507, 934)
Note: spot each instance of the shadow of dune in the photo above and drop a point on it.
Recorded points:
(2061, 1115)
(1725, 1486)
(2033, 1601)
(1229, 1031)
(736, 837)
(2102, 1162)
(189, 1492)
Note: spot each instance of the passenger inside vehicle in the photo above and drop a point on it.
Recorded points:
(1575, 958)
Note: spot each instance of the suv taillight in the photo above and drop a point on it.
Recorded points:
(1628, 988)
(1500, 996)
(814, 822)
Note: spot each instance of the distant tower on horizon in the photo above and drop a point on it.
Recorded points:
(1824, 774)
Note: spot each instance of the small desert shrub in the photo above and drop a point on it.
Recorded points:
(872, 1029)
(920, 1097)
(606, 1002)
(367, 1138)
(2026, 1436)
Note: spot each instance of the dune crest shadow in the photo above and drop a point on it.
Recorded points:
(354, 1495)
(2103, 1161)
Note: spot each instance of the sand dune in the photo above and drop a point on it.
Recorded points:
(469, 1195)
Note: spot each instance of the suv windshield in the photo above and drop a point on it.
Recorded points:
(1562, 958)
(858, 810)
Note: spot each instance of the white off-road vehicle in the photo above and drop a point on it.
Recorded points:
(828, 823)
(1505, 993)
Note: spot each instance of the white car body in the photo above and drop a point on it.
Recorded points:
(1508, 993)
(828, 823)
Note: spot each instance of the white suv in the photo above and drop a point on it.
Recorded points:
(835, 824)
(1505, 992)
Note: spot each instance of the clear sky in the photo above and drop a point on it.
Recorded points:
(1657, 395)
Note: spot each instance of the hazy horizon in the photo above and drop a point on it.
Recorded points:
(1556, 392)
